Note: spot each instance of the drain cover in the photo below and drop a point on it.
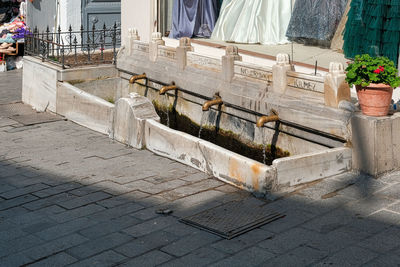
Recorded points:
(232, 219)
(36, 118)
(9, 110)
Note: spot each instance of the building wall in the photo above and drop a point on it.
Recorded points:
(41, 14)
(138, 14)
(70, 14)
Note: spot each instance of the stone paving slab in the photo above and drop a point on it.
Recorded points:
(10, 86)
(71, 196)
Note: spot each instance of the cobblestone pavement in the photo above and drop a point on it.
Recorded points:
(10, 86)
(70, 196)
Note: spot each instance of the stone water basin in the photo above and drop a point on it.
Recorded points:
(89, 103)
(133, 120)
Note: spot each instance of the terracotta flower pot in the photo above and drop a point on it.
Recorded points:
(375, 99)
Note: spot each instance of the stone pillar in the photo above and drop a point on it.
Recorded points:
(336, 87)
(228, 62)
(132, 37)
(156, 40)
(130, 115)
(279, 73)
(185, 45)
(375, 142)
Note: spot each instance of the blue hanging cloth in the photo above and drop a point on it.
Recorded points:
(193, 18)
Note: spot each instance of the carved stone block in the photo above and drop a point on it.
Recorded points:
(279, 73)
(153, 47)
(185, 45)
(228, 62)
(336, 88)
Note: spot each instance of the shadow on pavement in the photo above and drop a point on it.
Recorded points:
(103, 219)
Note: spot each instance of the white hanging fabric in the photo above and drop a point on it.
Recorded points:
(257, 21)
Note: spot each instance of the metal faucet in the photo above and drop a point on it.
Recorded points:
(265, 119)
(134, 78)
(167, 88)
(216, 101)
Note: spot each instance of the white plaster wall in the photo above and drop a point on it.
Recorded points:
(41, 14)
(70, 14)
(138, 14)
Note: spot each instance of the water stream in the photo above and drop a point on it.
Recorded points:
(167, 110)
(264, 141)
(263, 153)
(203, 118)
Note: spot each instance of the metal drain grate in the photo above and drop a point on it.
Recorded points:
(232, 219)
(36, 118)
(9, 110)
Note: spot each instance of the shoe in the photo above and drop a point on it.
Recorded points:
(5, 51)
(5, 45)
(11, 49)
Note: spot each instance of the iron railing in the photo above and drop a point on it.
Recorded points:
(75, 48)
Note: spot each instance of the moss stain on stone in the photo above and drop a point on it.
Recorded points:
(73, 82)
(220, 137)
(110, 100)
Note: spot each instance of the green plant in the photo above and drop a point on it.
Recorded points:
(366, 69)
(110, 99)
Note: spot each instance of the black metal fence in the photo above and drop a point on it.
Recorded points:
(75, 48)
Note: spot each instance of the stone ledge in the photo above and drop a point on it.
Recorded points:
(214, 160)
(85, 109)
(309, 167)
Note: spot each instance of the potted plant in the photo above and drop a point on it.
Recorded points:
(374, 78)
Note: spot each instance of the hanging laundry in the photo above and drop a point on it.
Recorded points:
(193, 18)
(315, 20)
(252, 22)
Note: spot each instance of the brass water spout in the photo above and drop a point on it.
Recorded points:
(168, 88)
(216, 101)
(265, 119)
(134, 78)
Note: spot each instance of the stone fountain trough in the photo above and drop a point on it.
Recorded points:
(113, 106)
(313, 134)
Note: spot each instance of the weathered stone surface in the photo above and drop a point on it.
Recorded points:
(39, 84)
(228, 62)
(87, 73)
(166, 53)
(375, 142)
(313, 166)
(133, 35)
(40, 81)
(83, 108)
(250, 88)
(203, 62)
(223, 164)
(107, 88)
(279, 73)
(154, 44)
(336, 88)
(185, 45)
(250, 71)
(129, 119)
(306, 82)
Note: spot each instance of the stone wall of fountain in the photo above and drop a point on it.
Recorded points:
(300, 99)
(315, 117)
